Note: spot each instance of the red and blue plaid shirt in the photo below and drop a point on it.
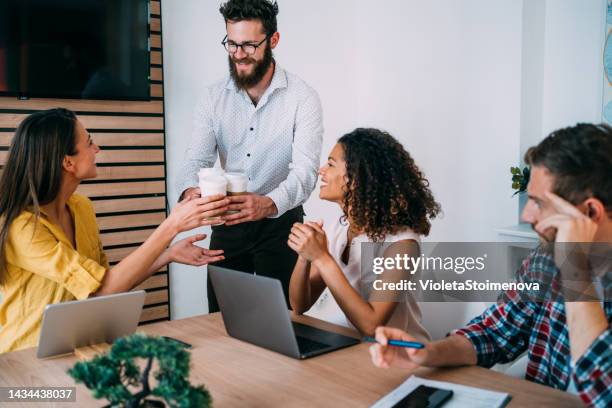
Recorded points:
(515, 324)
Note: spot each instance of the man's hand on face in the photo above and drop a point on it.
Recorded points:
(574, 232)
(571, 224)
(250, 207)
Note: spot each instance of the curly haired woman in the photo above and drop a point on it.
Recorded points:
(386, 201)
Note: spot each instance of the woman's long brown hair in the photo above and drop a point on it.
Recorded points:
(32, 175)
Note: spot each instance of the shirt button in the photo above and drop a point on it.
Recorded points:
(251, 129)
(248, 154)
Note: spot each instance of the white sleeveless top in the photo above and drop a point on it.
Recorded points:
(407, 314)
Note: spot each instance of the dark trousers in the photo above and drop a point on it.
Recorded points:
(260, 247)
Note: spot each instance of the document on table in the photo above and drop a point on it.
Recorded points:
(463, 396)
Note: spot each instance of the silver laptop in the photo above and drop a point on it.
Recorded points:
(79, 323)
(254, 310)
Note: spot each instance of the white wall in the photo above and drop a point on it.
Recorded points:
(573, 62)
(444, 77)
(562, 74)
(562, 65)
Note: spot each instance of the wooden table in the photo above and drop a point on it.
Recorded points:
(239, 374)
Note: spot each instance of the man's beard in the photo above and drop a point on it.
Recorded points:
(259, 70)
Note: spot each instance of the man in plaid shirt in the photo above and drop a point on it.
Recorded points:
(568, 342)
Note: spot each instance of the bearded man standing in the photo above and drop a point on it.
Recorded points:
(266, 123)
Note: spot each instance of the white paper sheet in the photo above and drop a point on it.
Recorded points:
(463, 396)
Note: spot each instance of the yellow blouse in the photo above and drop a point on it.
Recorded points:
(44, 268)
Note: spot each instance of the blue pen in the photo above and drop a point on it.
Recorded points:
(397, 343)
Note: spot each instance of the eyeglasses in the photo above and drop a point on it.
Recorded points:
(248, 48)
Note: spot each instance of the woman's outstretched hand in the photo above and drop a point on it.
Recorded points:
(196, 212)
(186, 252)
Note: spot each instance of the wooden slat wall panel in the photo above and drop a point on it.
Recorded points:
(129, 204)
(125, 237)
(157, 281)
(129, 194)
(130, 172)
(12, 120)
(155, 24)
(157, 90)
(131, 221)
(122, 189)
(83, 105)
(154, 313)
(130, 156)
(156, 296)
(156, 41)
(156, 57)
(104, 139)
(157, 74)
(5, 138)
(116, 255)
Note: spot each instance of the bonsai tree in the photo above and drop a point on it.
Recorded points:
(116, 377)
(520, 179)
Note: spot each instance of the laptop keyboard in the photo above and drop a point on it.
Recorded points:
(307, 345)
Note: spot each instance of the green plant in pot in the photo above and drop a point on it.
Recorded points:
(116, 376)
(520, 179)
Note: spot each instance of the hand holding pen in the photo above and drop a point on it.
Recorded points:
(396, 348)
(397, 343)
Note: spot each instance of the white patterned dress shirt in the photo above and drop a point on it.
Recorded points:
(277, 143)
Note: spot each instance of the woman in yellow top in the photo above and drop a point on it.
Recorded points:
(50, 248)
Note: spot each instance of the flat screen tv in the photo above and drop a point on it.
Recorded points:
(85, 49)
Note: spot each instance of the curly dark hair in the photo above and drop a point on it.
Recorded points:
(386, 190)
(263, 10)
(580, 159)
